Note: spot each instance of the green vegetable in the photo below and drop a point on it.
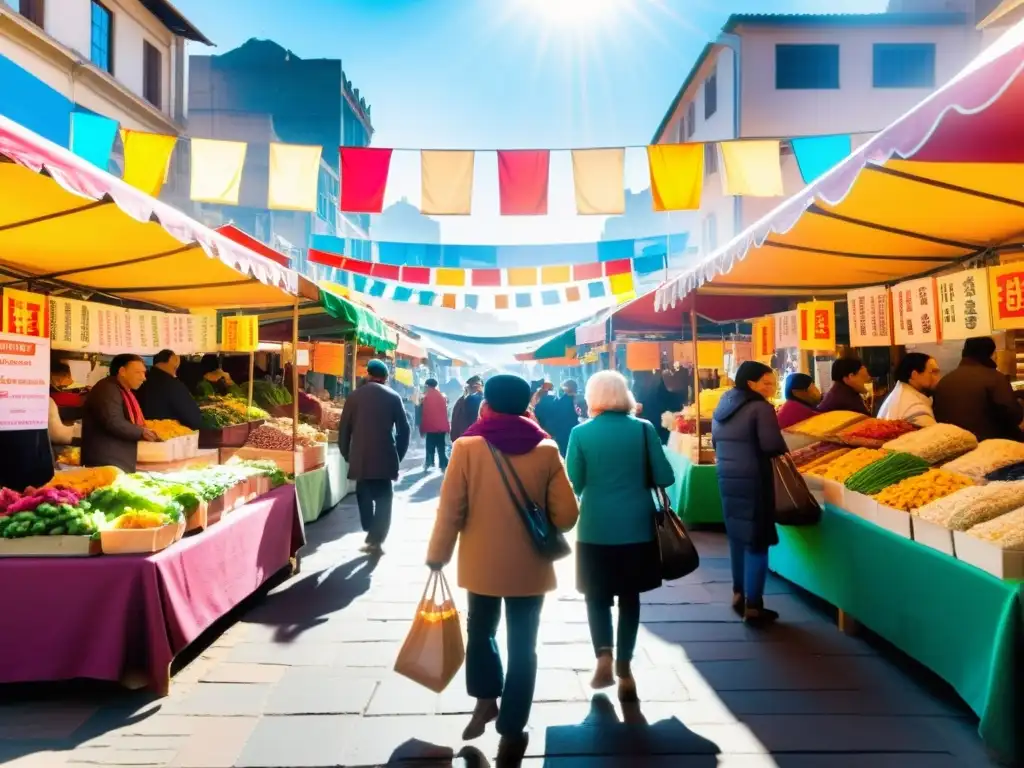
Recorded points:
(58, 531)
(887, 471)
(38, 528)
(47, 510)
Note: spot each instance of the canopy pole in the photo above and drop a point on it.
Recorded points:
(696, 377)
(252, 369)
(295, 373)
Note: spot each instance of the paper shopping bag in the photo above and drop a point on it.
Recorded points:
(433, 651)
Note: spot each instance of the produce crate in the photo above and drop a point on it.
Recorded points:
(894, 520)
(200, 519)
(295, 462)
(860, 505)
(204, 457)
(228, 437)
(1001, 563)
(833, 491)
(158, 453)
(142, 541)
(187, 446)
(332, 436)
(935, 536)
(50, 546)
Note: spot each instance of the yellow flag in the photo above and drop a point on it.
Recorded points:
(751, 168)
(449, 276)
(599, 176)
(520, 276)
(446, 182)
(621, 284)
(555, 275)
(217, 170)
(146, 159)
(294, 173)
(677, 176)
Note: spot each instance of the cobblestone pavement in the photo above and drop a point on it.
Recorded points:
(303, 678)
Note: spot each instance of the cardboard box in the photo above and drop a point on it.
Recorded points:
(140, 541)
(294, 462)
(50, 546)
(860, 505)
(1001, 563)
(935, 536)
(895, 520)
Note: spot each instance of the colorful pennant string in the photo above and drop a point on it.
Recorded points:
(364, 176)
(293, 177)
(92, 137)
(146, 159)
(446, 182)
(217, 171)
(751, 168)
(523, 182)
(599, 178)
(677, 176)
(817, 154)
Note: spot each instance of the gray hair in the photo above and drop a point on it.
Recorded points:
(608, 391)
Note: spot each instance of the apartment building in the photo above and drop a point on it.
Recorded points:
(781, 76)
(123, 59)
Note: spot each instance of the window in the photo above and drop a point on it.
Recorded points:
(904, 65)
(32, 10)
(710, 159)
(102, 52)
(711, 95)
(152, 74)
(691, 119)
(806, 67)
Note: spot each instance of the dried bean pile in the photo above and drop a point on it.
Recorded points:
(269, 439)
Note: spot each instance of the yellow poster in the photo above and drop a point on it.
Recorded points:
(711, 354)
(404, 376)
(26, 314)
(240, 333)
(763, 336)
(1006, 296)
(816, 321)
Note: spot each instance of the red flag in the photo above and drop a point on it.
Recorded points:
(592, 271)
(523, 181)
(386, 271)
(358, 267)
(326, 259)
(364, 175)
(416, 275)
(618, 267)
(486, 277)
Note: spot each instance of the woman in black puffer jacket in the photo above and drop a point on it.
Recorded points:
(747, 437)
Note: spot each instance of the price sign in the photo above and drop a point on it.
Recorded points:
(26, 314)
(24, 382)
(817, 326)
(240, 333)
(964, 304)
(915, 307)
(1006, 291)
(787, 330)
(869, 317)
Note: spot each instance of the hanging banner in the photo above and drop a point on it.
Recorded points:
(738, 353)
(404, 376)
(24, 382)
(26, 314)
(682, 354)
(869, 317)
(787, 330)
(964, 304)
(1006, 293)
(329, 359)
(240, 333)
(205, 323)
(71, 325)
(711, 354)
(763, 338)
(915, 308)
(817, 326)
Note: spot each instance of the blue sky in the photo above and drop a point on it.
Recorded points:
(487, 74)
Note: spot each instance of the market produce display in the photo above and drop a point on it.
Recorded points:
(935, 444)
(46, 512)
(70, 455)
(84, 481)
(1005, 531)
(873, 433)
(167, 429)
(826, 424)
(811, 453)
(276, 435)
(988, 457)
(220, 412)
(709, 399)
(841, 469)
(973, 506)
(821, 462)
(332, 417)
(1013, 472)
(268, 395)
(133, 519)
(888, 470)
(923, 489)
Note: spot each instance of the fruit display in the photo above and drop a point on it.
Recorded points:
(826, 424)
(268, 395)
(1011, 473)
(841, 469)
(972, 506)
(46, 512)
(133, 519)
(70, 456)
(921, 490)
(84, 481)
(988, 457)
(873, 433)
(811, 453)
(1005, 531)
(709, 399)
(220, 412)
(888, 470)
(935, 444)
(167, 429)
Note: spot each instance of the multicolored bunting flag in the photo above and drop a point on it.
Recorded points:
(677, 176)
(92, 137)
(815, 155)
(147, 157)
(523, 181)
(446, 180)
(293, 177)
(752, 168)
(217, 171)
(364, 177)
(599, 179)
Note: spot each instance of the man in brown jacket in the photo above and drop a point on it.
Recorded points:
(112, 421)
(977, 397)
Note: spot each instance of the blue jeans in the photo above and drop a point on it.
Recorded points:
(485, 678)
(599, 617)
(749, 572)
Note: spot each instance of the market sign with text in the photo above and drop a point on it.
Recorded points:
(869, 317)
(915, 308)
(24, 382)
(964, 304)
(1006, 285)
(240, 333)
(787, 330)
(763, 337)
(26, 314)
(817, 326)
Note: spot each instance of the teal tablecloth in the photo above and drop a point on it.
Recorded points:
(695, 494)
(962, 623)
(311, 490)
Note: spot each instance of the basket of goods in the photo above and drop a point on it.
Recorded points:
(226, 422)
(826, 424)
(874, 433)
(137, 531)
(274, 441)
(972, 506)
(935, 444)
(886, 471)
(920, 490)
(989, 457)
(47, 522)
(843, 467)
(154, 517)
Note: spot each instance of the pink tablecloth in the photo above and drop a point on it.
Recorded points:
(106, 616)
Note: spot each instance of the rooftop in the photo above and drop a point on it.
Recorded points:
(173, 19)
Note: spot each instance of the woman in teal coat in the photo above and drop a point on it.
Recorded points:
(614, 460)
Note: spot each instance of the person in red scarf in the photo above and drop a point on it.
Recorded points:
(113, 424)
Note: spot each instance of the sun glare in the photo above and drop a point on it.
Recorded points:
(575, 13)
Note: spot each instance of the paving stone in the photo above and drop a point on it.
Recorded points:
(304, 692)
(103, 756)
(559, 685)
(418, 740)
(305, 654)
(653, 684)
(162, 724)
(221, 699)
(811, 673)
(694, 631)
(398, 696)
(832, 733)
(43, 720)
(40, 759)
(830, 703)
(366, 654)
(230, 672)
(298, 742)
(216, 743)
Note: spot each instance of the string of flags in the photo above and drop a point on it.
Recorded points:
(747, 167)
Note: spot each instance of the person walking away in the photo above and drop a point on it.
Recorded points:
(434, 425)
(498, 561)
(467, 408)
(165, 396)
(917, 375)
(373, 436)
(611, 461)
(850, 379)
(113, 424)
(975, 396)
(802, 397)
(544, 406)
(746, 436)
(567, 415)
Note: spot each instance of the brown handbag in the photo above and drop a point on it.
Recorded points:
(678, 554)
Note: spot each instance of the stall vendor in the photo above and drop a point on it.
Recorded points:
(113, 424)
(165, 396)
(802, 397)
(60, 378)
(215, 380)
(850, 380)
(977, 397)
(911, 399)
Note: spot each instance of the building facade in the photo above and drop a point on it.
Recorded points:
(262, 93)
(782, 76)
(122, 59)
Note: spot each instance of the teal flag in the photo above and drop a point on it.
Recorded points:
(817, 154)
(92, 137)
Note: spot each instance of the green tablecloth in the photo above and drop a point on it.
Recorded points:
(311, 490)
(695, 493)
(337, 477)
(962, 623)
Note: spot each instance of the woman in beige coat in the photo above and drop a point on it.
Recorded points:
(497, 558)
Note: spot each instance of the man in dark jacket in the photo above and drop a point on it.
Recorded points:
(373, 437)
(112, 422)
(164, 396)
(977, 397)
(850, 379)
(467, 408)
(558, 415)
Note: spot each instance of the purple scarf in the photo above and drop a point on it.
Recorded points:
(514, 435)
